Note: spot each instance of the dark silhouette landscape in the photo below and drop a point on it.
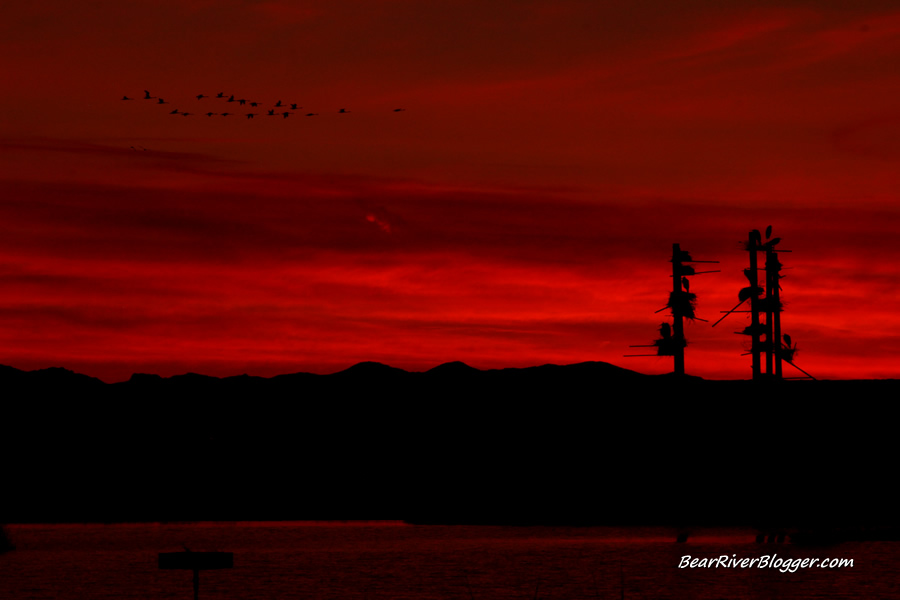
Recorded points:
(589, 443)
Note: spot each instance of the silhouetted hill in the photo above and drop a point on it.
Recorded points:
(584, 443)
(452, 369)
(49, 378)
(370, 369)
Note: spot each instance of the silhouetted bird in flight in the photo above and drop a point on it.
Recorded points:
(296, 107)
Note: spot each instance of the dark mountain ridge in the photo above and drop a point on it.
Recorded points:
(451, 371)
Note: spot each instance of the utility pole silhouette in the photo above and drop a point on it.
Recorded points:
(681, 303)
(773, 312)
(765, 337)
(753, 244)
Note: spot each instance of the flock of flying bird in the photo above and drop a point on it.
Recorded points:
(280, 109)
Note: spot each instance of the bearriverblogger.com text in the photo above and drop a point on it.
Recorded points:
(766, 561)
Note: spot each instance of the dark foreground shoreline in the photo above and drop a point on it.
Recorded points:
(577, 444)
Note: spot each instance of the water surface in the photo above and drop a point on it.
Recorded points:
(395, 561)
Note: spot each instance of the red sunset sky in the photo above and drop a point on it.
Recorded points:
(520, 211)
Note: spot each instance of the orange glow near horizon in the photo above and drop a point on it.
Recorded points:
(519, 211)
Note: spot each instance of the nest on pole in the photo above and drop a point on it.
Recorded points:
(769, 305)
(683, 304)
(749, 330)
(668, 346)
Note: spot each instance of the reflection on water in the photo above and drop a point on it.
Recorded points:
(394, 561)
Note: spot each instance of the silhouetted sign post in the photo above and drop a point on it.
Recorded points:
(196, 562)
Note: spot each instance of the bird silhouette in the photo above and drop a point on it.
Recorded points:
(399, 109)
(295, 107)
(231, 98)
(209, 114)
(147, 95)
(201, 96)
(787, 340)
(254, 104)
(161, 101)
(285, 114)
(251, 115)
(226, 114)
(174, 112)
(686, 284)
(220, 95)
(343, 111)
(278, 104)
(272, 113)
(127, 98)
(312, 114)
(242, 101)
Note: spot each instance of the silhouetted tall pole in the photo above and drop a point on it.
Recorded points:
(681, 303)
(777, 352)
(753, 243)
(768, 345)
(678, 318)
(773, 269)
